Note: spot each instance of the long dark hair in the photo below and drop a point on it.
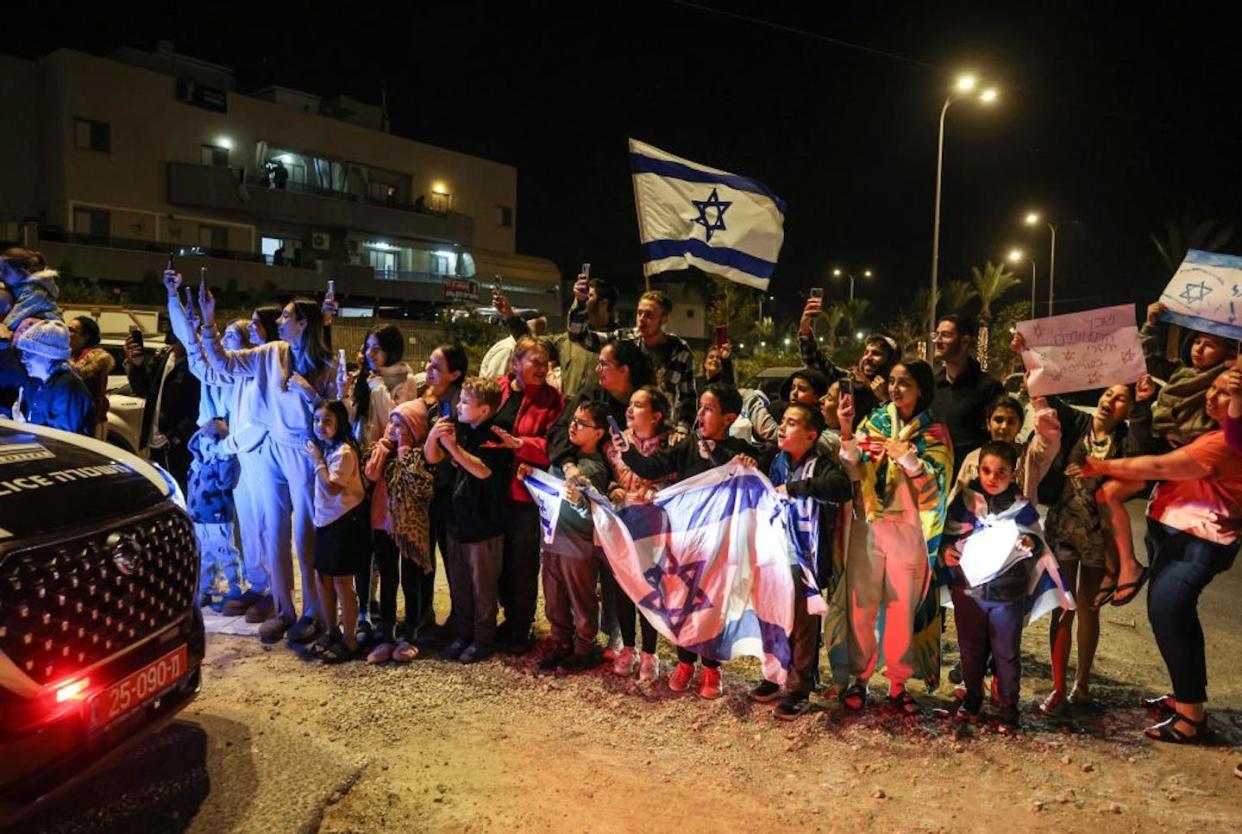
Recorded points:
(343, 435)
(392, 342)
(314, 342)
(629, 355)
(924, 377)
(268, 313)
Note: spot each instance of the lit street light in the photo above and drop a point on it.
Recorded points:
(1016, 256)
(837, 273)
(1033, 219)
(965, 86)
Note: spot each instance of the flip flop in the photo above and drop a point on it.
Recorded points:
(1104, 595)
(1133, 587)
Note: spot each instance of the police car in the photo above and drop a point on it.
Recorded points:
(101, 642)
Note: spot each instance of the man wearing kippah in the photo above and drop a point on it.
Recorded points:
(53, 394)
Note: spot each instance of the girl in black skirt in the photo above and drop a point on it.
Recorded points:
(341, 535)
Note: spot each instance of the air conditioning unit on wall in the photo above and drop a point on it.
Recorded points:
(321, 241)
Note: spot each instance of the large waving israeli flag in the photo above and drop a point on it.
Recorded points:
(690, 214)
(707, 563)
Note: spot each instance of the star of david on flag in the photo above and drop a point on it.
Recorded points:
(1199, 294)
(682, 220)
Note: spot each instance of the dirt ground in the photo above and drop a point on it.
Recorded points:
(498, 746)
(294, 745)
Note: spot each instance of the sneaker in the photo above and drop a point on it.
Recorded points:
(304, 630)
(648, 666)
(240, 605)
(521, 645)
(679, 681)
(553, 660)
(765, 692)
(625, 661)
(274, 628)
(792, 706)
(580, 662)
(710, 686)
(453, 650)
(261, 611)
(474, 653)
(614, 648)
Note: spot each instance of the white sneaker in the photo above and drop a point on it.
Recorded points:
(648, 667)
(624, 662)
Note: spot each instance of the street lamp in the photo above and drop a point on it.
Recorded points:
(837, 273)
(1033, 218)
(762, 298)
(1016, 256)
(965, 86)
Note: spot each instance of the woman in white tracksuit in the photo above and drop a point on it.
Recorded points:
(239, 403)
(291, 376)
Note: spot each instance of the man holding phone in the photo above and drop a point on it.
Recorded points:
(576, 361)
(672, 362)
(868, 379)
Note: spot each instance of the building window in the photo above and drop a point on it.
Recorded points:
(93, 222)
(213, 237)
(91, 135)
(215, 155)
(689, 312)
(505, 216)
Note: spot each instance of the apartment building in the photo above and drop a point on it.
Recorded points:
(111, 163)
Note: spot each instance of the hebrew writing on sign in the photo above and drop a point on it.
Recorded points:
(1081, 351)
(1206, 294)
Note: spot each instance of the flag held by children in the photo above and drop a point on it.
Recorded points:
(547, 492)
(693, 215)
(707, 563)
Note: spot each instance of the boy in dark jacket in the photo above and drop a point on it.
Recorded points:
(476, 528)
(707, 447)
(570, 566)
(990, 615)
(816, 487)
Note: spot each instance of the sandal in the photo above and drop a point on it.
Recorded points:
(339, 652)
(1167, 731)
(405, 652)
(1054, 704)
(1164, 703)
(1121, 598)
(854, 697)
(1079, 695)
(902, 704)
(324, 642)
(1105, 594)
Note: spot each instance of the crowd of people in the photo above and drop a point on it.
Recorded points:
(908, 467)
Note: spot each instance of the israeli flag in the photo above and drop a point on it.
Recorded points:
(690, 214)
(547, 492)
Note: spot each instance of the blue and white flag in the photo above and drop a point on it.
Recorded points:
(708, 564)
(693, 215)
(547, 492)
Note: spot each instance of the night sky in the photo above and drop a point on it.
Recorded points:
(1116, 121)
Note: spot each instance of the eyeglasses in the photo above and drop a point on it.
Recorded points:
(578, 424)
(603, 364)
(943, 335)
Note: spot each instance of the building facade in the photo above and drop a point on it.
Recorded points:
(113, 163)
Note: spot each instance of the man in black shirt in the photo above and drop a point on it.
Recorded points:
(963, 390)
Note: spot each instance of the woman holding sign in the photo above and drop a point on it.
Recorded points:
(1194, 522)
(904, 461)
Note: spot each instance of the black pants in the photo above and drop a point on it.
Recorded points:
(990, 628)
(519, 573)
(627, 611)
(687, 656)
(1182, 565)
(804, 642)
(388, 560)
(439, 538)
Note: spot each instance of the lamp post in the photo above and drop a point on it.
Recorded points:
(838, 273)
(1016, 256)
(1032, 219)
(965, 86)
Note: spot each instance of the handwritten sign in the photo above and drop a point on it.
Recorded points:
(1206, 294)
(1081, 351)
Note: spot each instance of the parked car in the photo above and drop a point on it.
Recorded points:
(101, 639)
(769, 380)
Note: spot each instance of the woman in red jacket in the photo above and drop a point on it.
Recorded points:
(528, 408)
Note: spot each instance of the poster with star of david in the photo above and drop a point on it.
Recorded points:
(1081, 351)
(1205, 294)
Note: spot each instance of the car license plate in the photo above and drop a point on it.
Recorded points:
(137, 688)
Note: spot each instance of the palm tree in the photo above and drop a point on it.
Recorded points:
(831, 318)
(855, 311)
(1210, 235)
(957, 295)
(991, 283)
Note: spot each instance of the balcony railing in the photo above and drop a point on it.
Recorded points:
(307, 188)
(106, 241)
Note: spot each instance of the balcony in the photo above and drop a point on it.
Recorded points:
(217, 188)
